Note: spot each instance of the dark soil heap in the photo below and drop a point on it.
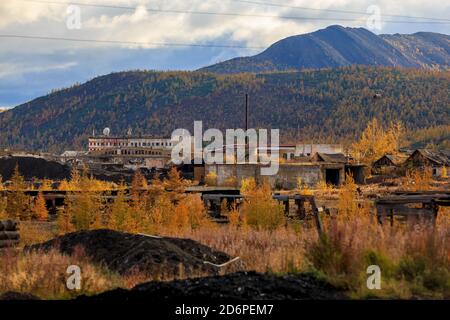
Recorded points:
(31, 167)
(125, 253)
(236, 286)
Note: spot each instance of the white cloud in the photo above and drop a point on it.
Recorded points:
(18, 69)
(142, 25)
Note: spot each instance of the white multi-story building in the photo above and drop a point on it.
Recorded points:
(121, 145)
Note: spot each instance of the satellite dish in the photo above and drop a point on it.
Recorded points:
(106, 131)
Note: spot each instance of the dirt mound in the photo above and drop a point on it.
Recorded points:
(125, 253)
(17, 296)
(240, 286)
(31, 167)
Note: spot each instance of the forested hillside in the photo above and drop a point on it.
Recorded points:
(325, 105)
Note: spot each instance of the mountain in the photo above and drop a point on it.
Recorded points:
(326, 105)
(337, 46)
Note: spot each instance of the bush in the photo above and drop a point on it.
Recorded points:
(259, 210)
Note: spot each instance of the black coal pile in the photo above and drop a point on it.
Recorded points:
(17, 296)
(31, 167)
(235, 286)
(126, 253)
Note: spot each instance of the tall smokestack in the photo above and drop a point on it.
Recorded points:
(246, 111)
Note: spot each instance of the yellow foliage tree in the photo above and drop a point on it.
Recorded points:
(198, 215)
(120, 214)
(376, 141)
(40, 209)
(85, 208)
(259, 209)
(65, 221)
(64, 185)
(18, 204)
(161, 212)
(347, 206)
(175, 184)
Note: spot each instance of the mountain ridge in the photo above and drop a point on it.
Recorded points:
(337, 46)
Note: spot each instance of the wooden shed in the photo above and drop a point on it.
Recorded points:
(434, 159)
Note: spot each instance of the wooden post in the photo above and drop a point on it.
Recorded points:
(301, 212)
(316, 216)
(286, 207)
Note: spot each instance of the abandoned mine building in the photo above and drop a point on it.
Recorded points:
(390, 164)
(329, 168)
(436, 160)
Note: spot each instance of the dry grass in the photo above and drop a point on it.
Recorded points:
(281, 250)
(32, 232)
(414, 258)
(44, 275)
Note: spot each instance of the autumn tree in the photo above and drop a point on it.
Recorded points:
(376, 141)
(347, 206)
(65, 221)
(18, 203)
(138, 189)
(120, 214)
(85, 208)
(40, 211)
(259, 209)
(175, 184)
(75, 179)
(161, 212)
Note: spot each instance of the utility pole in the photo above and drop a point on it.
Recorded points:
(246, 111)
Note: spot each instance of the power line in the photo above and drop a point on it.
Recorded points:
(333, 10)
(143, 43)
(232, 14)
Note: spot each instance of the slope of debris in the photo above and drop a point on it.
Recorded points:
(126, 253)
(235, 286)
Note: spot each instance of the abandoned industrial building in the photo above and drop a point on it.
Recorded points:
(435, 160)
(119, 145)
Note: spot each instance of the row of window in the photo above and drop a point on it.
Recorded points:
(130, 144)
(133, 152)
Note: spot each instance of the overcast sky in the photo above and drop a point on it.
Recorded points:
(30, 68)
